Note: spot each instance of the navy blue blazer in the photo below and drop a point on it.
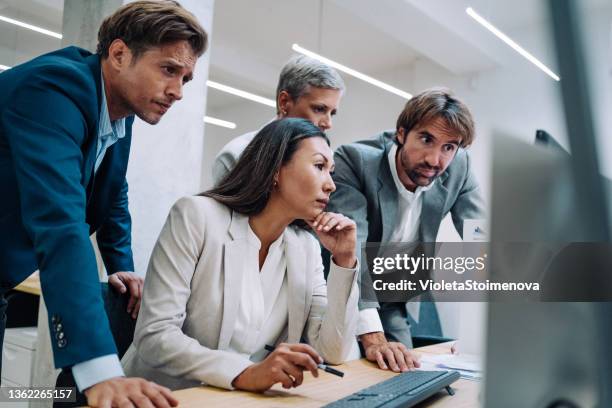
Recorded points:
(51, 201)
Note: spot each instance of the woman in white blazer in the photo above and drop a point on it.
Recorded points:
(235, 269)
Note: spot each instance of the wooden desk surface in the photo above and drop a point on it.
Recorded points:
(316, 392)
(30, 285)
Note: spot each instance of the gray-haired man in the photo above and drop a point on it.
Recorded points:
(306, 89)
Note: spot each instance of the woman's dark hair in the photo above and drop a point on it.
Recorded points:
(248, 186)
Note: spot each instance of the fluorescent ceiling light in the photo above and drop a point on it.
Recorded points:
(240, 93)
(31, 27)
(4, 67)
(352, 72)
(511, 43)
(219, 122)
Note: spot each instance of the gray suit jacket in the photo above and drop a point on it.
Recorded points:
(365, 192)
(192, 294)
(228, 156)
(230, 153)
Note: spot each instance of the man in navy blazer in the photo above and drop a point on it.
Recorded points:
(65, 132)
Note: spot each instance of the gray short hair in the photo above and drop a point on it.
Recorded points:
(302, 72)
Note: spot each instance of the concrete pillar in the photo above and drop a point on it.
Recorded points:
(82, 19)
(166, 159)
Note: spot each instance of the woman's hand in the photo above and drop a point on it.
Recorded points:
(338, 234)
(285, 365)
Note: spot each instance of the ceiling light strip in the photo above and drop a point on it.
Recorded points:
(352, 72)
(31, 27)
(241, 93)
(511, 43)
(219, 122)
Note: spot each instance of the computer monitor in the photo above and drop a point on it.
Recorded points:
(545, 139)
(538, 353)
(552, 355)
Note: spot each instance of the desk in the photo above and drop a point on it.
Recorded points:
(31, 285)
(316, 392)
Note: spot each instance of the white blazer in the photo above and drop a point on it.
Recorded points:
(191, 298)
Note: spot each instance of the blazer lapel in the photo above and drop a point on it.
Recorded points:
(299, 285)
(433, 210)
(233, 266)
(387, 197)
(90, 148)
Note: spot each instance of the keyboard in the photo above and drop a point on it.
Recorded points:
(403, 390)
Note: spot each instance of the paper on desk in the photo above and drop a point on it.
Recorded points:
(468, 365)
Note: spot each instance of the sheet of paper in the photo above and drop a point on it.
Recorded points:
(468, 365)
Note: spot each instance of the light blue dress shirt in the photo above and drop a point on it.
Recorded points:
(101, 368)
(108, 132)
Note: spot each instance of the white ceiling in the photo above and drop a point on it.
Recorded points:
(18, 44)
(251, 40)
(44, 13)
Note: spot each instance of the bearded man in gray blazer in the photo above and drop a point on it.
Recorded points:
(398, 186)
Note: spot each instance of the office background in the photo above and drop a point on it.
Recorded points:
(410, 44)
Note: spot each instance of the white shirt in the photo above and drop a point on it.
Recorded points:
(263, 311)
(409, 206)
(406, 229)
(109, 132)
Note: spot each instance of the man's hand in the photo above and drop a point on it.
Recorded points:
(129, 392)
(122, 281)
(398, 357)
(285, 365)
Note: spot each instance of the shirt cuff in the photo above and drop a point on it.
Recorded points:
(96, 370)
(369, 321)
(342, 268)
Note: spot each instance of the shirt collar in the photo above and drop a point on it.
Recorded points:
(402, 190)
(106, 128)
(254, 240)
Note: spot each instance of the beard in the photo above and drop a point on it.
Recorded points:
(413, 172)
(140, 110)
(417, 178)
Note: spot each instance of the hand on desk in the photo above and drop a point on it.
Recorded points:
(378, 349)
(121, 282)
(129, 392)
(285, 365)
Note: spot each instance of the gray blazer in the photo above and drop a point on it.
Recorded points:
(366, 193)
(230, 153)
(191, 298)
